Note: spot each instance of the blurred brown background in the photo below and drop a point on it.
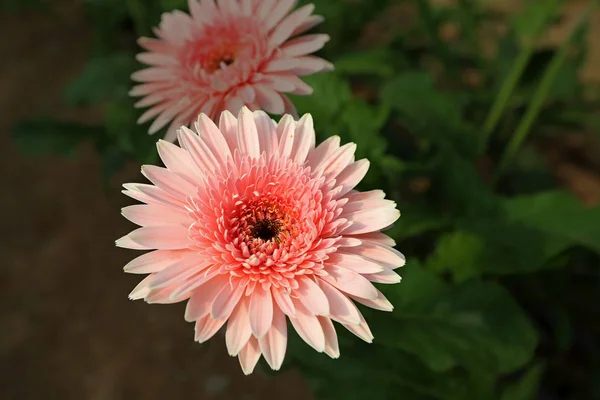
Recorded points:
(67, 329)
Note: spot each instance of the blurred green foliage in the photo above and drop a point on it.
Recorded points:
(495, 255)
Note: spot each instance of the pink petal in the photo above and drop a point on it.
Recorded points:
(285, 133)
(381, 303)
(370, 220)
(169, 181)
(273, 345)
(204, 275)
(311, 295)
(276, 13)
(199, 151)
(332, 348)
(323, 151)
(304, 45)
(213, 138)
(226, 300)
(155, 261)
(179, 161)
(169, 237)
(247, 134)
(386, 276)
(261, 311)
(142, 289)
(341, 308)
(228, 127)
(266, 133)
(305, 139)
(384, 255)
(178, 272)
(351, 175)
(308, 327)
(354, 262)
(350, 282)
(377, 238)
(308, 23)
(269, 100)
(238, 328)
(284, 30)
(201, 301)
(206, 327)
(361, 330)
(249, 356)
(284, 301)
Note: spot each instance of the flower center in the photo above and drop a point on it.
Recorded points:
(218, 59)
(266, 229)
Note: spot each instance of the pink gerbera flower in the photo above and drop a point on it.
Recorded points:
(250, 223)
(224, 56)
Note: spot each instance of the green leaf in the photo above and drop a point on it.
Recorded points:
(535, 16)
(428, 112)
(460, 253)
(103, 78)
(369, 62)
(559, 214)
(48, 136)
(476, 325)
(331, 93)
(527, 387)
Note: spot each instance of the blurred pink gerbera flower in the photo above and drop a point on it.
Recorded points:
(224, 56)
(251, 223)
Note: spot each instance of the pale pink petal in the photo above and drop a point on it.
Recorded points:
(247, 134)
(178, 272)
(273, 345)
(249, 356)
(308, 23)
(354, 262)
(277, 9)
(269, 100)
(350, 282)
(386, 276)
(228, 127)
(169, 181)
(380, 303)
(304, 45)
(200, 303)
(285, 303)
(332, 348)
(207, 326)
(266, 133)
(311, 295)
(361, 330)
(308, 327)
(152, 195)
(383, 255)
(226, 300)
(369, 220)
(169, 237)
(324, 150)
(305, 139)
(210, 134)
(261, 311)
(199, 151)
(285, 132)
(238, 328)
(351, 175)
(155, 261)
(289, 24)
(179, 161)
(342, 309)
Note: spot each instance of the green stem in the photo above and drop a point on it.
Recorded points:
(507, 89)
(540, 94)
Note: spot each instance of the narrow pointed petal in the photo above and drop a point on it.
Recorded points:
(170, 237)
(285, 303)
(155, 261)
(311, 295)
(206, 327)
(332, 348)
(274, 344)
(238, 328)
(350, 282)
(380, 303)
(247, 134)
(308, 327)
(156, 215)
(261, 311)
(342, 309)
(249, 356)
(226, 301)
(201, 301)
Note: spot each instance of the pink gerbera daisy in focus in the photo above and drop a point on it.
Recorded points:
(224, 56)
(251, 224)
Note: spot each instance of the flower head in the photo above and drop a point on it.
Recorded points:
(224, 56)
(253, 225)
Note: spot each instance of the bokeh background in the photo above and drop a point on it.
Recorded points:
(67, 329)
